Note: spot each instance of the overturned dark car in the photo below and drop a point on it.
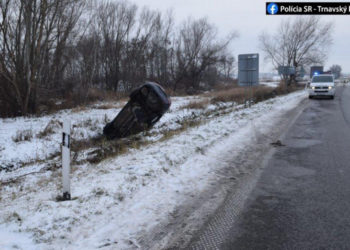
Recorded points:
(146, 106)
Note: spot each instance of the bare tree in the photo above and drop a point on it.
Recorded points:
(33, 37)
(298, 42)
(139, 52)
(336, 70)
(197, 49)
(159, 47)
(115, 22)
(227, 65)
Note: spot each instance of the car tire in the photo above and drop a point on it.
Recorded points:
(310, 96)
(332, 96)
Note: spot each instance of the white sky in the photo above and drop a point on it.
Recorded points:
(249, 19)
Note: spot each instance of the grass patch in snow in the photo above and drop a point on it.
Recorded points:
(23, 135)
(104, 148)
(186, 124)
(203, 104)
(50, 128)
(109, 106)
(79, 109)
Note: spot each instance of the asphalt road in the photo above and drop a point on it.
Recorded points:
(302, 199)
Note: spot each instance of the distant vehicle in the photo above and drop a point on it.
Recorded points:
(146, 106)
(316, 70)
(322, 85)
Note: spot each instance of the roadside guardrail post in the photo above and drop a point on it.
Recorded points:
(66, 160)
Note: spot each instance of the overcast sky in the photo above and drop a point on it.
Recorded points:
(249, 19)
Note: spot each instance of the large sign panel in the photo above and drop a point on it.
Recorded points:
(248, 69)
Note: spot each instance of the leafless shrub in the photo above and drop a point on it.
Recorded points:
(23, 135)
(50, 128)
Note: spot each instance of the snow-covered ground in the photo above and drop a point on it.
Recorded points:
(86, 123)
(120, 199)
(273, 84)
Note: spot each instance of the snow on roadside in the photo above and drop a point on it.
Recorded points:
(86, 124)
(15, 154)
(272, 84)
(13, 240)
(120, 199)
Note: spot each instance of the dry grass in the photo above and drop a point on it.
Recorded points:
(197, 105)
(94, 94)
(105, 148)
(282, 89)
(107, 106)
(257, 94)
(79, 109)
(50, 128)
(229, 84)
(110, 148)
(262, 93)
(23, 135)
(117, 105)
(229, 95)
(78, 99)
(179, 92)
(184, 126)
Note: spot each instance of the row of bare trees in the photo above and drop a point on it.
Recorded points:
(52, 47)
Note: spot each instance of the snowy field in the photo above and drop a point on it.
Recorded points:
(117, 201)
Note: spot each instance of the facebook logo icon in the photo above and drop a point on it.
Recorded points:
(272, 8)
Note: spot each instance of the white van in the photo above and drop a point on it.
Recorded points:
(322, 85)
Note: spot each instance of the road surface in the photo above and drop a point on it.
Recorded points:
(302, 199)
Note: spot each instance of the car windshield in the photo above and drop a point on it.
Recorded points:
(322, 79)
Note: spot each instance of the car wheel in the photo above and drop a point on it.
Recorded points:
(310, 96)
(332, 96)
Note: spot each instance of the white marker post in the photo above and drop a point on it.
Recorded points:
(66, 160)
